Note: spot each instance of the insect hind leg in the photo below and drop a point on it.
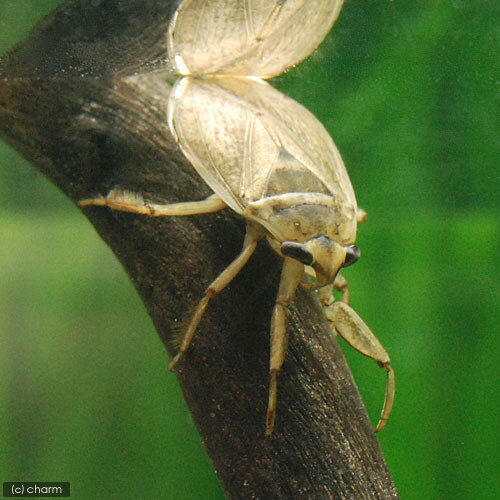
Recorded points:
(252, 237)
(128, 201)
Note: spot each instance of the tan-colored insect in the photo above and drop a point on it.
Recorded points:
(266, 157)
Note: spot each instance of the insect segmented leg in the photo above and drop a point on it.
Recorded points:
(356, 333)
(361, 215)
(325, 293)
(252, 237)
(127, 201)
(290, 277)
(342, 286)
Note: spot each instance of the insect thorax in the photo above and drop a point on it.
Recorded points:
(303, 216)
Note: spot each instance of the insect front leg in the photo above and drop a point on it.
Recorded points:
(127, 201)
(290, 277)
(356, 333)
(342, 286)
(253, 235)
(325, 293)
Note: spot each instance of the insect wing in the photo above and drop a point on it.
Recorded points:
(247, 37)
(297, 131)
(221, 135)
(238, 132)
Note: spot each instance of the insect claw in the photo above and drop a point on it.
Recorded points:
(389, 397)
(99, 201)
(270, 422)
(271, 407)
(175, 360)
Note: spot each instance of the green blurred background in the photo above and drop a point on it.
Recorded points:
(407, 91)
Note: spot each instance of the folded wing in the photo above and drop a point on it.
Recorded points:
(247, 37)
(249, 141)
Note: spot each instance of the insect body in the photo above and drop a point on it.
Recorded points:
(266, 157)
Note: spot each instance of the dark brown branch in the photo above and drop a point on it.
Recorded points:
(84, 98)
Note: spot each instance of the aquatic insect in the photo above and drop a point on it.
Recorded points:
(266, 157)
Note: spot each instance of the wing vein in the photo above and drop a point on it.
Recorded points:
(247, 177)
(249, 25)
(198, 24)
(220, 178)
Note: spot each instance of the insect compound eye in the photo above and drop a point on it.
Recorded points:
(298, 252)
(351, 256)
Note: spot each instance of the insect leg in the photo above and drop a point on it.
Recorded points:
(252, 236)
(290, 277)
(361, 215)
(342, 286)
(127, 201)
(325, 293)
(356, 333)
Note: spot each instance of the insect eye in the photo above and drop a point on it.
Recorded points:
(351, 256)
(297, 251)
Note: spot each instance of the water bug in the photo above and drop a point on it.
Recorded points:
(264, 156)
